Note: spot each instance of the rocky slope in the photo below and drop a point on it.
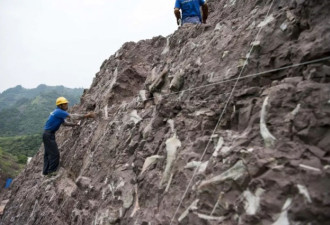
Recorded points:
(179, 139)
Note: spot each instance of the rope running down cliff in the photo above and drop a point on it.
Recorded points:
(220, 118)
(251, 75)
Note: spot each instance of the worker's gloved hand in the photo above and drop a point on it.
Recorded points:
(178, 21)
(90, 115)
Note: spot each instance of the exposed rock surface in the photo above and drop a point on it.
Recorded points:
(260, 158)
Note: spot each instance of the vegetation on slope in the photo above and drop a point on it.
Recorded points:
(9, 166)
(21, 146)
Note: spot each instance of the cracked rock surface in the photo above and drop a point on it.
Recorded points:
(168, 117)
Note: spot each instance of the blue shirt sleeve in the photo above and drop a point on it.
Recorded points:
(177, 4)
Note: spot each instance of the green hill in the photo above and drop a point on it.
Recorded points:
(21, 146)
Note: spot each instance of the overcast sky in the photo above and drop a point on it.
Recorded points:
(64, 42)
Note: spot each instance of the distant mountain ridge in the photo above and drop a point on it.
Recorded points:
(11, 96)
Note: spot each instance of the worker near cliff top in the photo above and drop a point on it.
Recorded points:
(191, 12)
(57, 117)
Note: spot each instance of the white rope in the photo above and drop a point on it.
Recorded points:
(220, 118)
(218, 200)
(247, 76)
(229, 80)
(215, 206)
(278, 69)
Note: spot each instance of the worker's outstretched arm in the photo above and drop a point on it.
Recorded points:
(77, 117)
(81, 116)
(177, 15)
(205, 10)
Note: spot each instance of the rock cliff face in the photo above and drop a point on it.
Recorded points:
(224, 123)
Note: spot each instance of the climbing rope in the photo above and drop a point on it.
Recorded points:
(253, 75)
(228, 80)
(220, 118)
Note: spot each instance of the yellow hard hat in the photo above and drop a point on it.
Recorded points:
(61, 100)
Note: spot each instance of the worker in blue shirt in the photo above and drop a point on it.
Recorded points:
(56, 118)
(190, 11)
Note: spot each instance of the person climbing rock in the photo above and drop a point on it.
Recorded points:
(56, 118)
(190, 11)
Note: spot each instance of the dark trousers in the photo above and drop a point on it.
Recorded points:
(51, 155)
